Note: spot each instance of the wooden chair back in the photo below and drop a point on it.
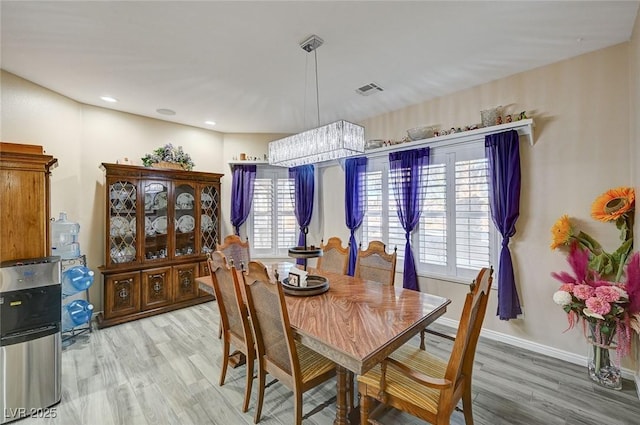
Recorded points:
(271, 326)
(236, 251)
(233, 314)
(375, 264)
(335, 258)
(464, 348)
(235, 328)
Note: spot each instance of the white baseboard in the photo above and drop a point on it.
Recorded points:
(539, 348)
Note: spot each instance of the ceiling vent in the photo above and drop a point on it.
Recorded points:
(368, 89)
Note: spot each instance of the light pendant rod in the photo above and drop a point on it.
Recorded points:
(315, 53)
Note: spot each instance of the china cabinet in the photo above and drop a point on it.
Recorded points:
(159, 226)
(24, 201)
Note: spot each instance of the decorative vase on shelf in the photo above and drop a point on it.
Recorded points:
(603, 368)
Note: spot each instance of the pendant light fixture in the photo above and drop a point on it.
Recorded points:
(337, 140)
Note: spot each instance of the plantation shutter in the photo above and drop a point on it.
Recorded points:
(472, 213)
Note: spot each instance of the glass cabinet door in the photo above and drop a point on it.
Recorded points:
(185, 219)
(156, 220)
(122, 222)
(209, 226)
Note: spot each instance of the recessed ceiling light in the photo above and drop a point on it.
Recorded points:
(165, 111)
(210, 122)
(109, 99)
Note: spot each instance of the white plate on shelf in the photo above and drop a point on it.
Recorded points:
(206, 200)
(186, 223)
(206, 224)
(119, 226)
(148, 227)
(160, 224)
(184, 201)
(132, 226)
(148, 201)
(160, 201)
(124, 255)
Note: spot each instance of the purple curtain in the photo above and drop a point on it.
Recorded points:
(303, 179)
(244, 177)
(354, 169)
(503, 152)
(408, 179)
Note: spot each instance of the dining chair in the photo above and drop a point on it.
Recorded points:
(236, 251)
(423, 385)
(375, 264)
(294, 365)
(234, 319)
(334, 258)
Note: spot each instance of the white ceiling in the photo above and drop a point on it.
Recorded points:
(239, 63)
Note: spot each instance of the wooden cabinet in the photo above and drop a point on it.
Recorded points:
(184, 284)
(24, 201)
(156, 288)
(121, 294)
(159, 225)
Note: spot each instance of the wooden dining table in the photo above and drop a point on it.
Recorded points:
(356, 323)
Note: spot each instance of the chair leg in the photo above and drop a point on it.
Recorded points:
(422, 338)
(365, 403)
(249, 384)
(261, 385)
(225, 361)
(220, 331)
(297, 408)
(466, 405)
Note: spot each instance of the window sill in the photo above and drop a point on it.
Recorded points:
(445, 278)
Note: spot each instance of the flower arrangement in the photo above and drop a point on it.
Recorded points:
(604, 289)
(168, 153)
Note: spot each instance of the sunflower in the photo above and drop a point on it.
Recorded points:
(613, 204)
(561, 232)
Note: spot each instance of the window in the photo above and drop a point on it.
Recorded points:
(455, 236)
(273, 222)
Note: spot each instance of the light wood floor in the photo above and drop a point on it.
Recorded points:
(165, 369)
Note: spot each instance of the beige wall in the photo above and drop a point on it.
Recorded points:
(583, 131)
(82, 137)
(580, 109)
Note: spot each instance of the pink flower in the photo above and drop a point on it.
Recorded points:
(598, 305)
(583, 291)
(607, 293)
(567, 287)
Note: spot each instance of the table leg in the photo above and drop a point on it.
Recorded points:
(341, 398)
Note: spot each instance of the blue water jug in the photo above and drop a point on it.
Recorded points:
(76, 313)
(76, 279)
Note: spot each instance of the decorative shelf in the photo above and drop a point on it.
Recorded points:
(523, 127)
(244, 162)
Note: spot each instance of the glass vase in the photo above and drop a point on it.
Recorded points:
(603, 369)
